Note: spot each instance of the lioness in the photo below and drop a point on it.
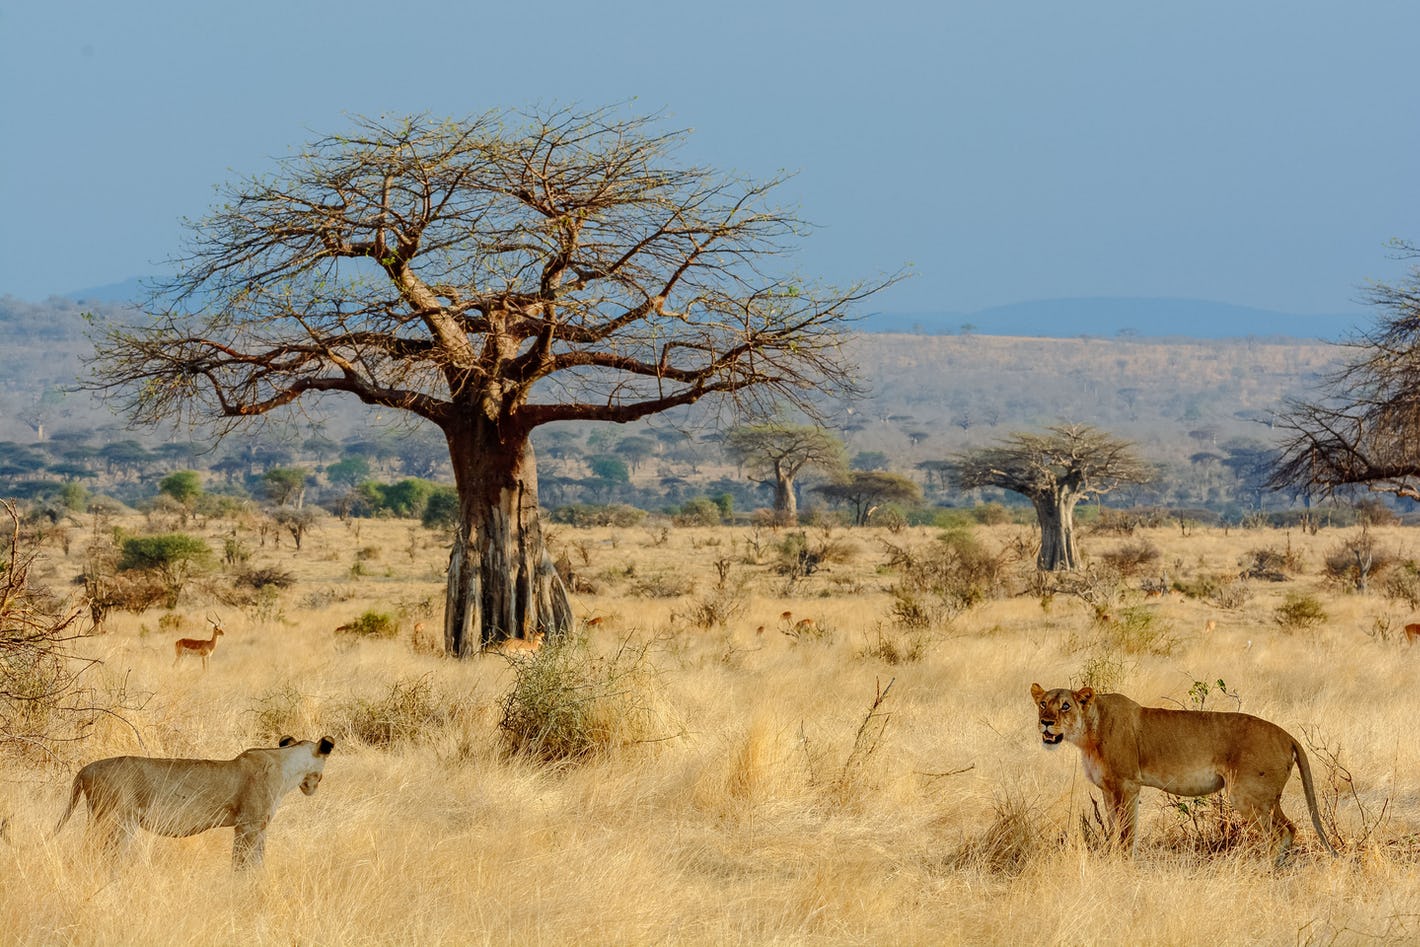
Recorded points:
(1184, 752)
(178, 798)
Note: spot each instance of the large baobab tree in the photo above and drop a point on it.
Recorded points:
(777, 452)
(1363, 429)
(487, 275)
(1055, 471)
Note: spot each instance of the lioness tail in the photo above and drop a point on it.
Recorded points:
(1305, 769)
(74, 795)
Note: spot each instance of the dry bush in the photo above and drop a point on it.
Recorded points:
(280, 711)
(1103, 668)
(1270, 565)
(1140, 630)
(568, 704)
(1402, 584)
(1221, 590)
(1009, 842)
(1353, 563)
(939, 582)
(663, 585)
(409, 713)
(723, 603)
(266, 577)
(797, 555)
(894, 647)
(1132, 558)
(43, 700)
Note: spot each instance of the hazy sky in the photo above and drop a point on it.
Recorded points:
(1257, 152)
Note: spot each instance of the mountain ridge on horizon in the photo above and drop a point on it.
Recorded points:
(1062, 317)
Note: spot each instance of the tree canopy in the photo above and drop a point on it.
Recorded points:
(488, 275)
(1364, 427)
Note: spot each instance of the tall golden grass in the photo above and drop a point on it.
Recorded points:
(767, 800)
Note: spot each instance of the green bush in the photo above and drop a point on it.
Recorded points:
(371, 624)
(584, 515)
(700, 511)
(1299, 610)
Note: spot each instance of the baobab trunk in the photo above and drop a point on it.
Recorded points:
(1056, 513)
(786, 505)
(501, 583)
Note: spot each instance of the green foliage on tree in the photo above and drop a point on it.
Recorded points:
(349, 471)
(184, 486)
(442, 509)
(285, 485)
(405, 498)
(609, 468)
(174, 557)
(1055, 470)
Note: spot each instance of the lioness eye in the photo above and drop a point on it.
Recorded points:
(1064, 706)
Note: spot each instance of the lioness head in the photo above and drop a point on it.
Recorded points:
(1062, 712)
(310, 768)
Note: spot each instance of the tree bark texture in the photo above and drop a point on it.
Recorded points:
(1056, 513)
(502, 582)
(786, 504)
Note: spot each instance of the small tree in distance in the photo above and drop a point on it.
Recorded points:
(867, 490)
(1055, 471)
(488, 276)
(776, 453)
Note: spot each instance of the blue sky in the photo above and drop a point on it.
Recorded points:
(1258, 153)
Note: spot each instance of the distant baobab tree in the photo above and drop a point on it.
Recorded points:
(488, 275)
(777, 452)
(1055, 471)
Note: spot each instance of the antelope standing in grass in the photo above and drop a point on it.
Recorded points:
(202, 647)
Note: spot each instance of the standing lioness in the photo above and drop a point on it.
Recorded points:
(1184, 752)
(178, 798)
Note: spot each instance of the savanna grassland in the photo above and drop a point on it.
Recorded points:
(876, 778)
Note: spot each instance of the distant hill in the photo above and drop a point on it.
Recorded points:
(129, 291)
(1120, 316)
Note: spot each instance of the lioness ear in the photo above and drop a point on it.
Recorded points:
(325, 746)
(1084, 695)
(1036, 692)
(286, 741)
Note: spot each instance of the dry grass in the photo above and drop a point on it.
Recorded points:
(767, 799)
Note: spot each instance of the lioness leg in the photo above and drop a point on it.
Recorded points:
(1124, 813)
(248, 846)
(1264, 810)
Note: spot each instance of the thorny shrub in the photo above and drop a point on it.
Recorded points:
(1132, 558)
(1402, 584)
(570, 704)
(942, 580)
(44, 700)
(1353, 563)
